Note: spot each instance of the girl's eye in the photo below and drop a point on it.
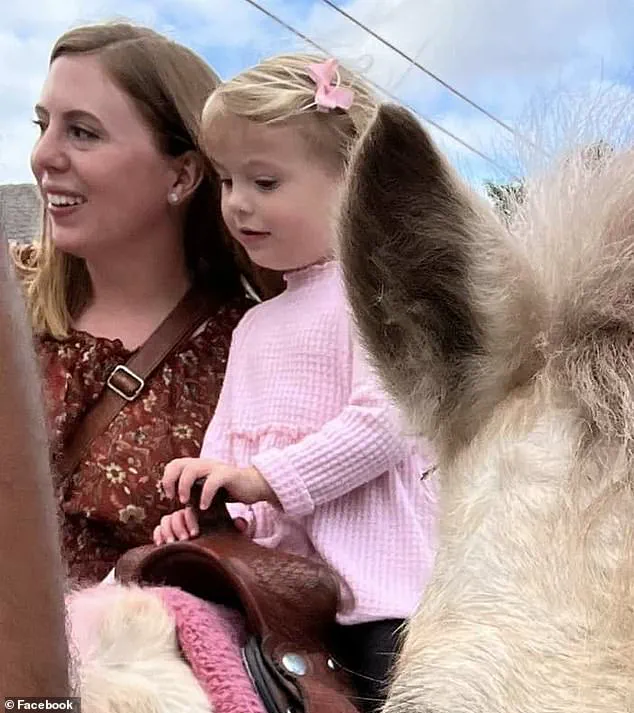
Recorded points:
(266, 184)
(40, 124)
(225, 182)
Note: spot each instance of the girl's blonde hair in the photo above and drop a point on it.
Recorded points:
(169, 85)
(281, 89)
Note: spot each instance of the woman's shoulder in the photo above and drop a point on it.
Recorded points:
(224, 317)
(229, 313)
(25, 257)
(24, 254)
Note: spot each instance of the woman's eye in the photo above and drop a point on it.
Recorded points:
(266, 184)
(82, 134)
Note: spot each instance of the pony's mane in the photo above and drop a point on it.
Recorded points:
(574, 224)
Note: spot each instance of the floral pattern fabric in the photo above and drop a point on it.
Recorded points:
(112, 502)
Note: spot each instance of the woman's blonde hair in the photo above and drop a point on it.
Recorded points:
(281, 89)
(169, 85)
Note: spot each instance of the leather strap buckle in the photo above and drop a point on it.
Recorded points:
(124, 382)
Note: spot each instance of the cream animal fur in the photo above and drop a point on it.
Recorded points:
(127, 656)
(513, 351)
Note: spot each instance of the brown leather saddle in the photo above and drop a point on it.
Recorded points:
(289, 604)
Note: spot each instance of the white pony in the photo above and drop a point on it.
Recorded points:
(512, 349)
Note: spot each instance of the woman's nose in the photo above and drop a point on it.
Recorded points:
(49, 154)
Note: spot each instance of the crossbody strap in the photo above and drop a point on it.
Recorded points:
(127, 381)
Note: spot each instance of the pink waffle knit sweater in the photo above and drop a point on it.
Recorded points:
(301, 405)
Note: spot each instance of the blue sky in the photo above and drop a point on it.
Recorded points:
(521, 61)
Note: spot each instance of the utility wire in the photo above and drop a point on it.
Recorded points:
(380, 89)
(423, 69)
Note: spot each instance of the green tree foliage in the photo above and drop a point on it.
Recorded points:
(505, 196)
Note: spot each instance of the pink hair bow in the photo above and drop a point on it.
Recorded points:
(329, 95)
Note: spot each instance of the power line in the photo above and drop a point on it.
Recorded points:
(379, 88)
(423, 69)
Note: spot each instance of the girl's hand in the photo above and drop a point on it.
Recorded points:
(179, 525)
(182, 525)
(244, 485)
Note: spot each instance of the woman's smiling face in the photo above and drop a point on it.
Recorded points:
(103, 177)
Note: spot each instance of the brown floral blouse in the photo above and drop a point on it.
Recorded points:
(112, 502)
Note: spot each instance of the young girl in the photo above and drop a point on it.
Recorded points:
(302, 436)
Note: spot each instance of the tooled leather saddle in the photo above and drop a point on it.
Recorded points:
(289, 604)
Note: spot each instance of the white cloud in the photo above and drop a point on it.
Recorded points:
(503, 55)
(27, 36)
(470, 43)
(231, 24)
(26, 39)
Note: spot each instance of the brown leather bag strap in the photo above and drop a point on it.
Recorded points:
(127, 381)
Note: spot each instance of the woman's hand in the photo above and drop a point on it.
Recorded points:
(244, 485)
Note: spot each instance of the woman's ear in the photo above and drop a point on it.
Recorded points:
(189, 170)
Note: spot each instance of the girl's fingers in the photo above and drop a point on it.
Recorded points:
(191, 522)
(189, 476)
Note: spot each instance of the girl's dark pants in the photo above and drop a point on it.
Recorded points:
(367, 651)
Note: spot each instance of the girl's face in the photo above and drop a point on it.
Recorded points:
(103, 179)
(277, 197)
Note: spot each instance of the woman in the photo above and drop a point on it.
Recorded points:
(131, 226)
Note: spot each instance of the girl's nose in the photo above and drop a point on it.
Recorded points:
(238, 202)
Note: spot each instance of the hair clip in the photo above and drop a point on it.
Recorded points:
(329, 95)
